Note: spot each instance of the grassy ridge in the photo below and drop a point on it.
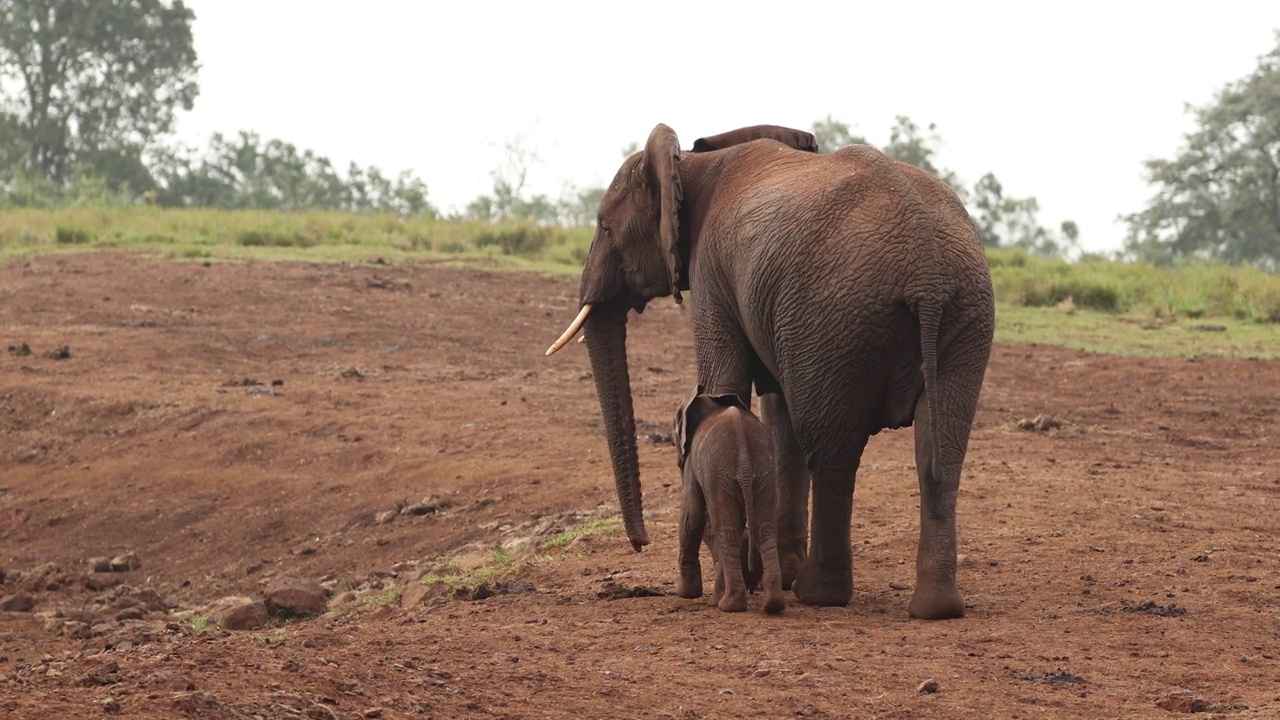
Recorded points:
(1133, 308)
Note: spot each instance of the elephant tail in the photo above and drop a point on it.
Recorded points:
(929, 312)
(749, 503)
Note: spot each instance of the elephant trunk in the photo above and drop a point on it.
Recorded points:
(606, 332)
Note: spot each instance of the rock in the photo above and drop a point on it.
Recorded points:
(99, 583)
(291, 597)
(373, 712)
(17, 603)
(126, 562)
(385, 517)
(131, 613)
(928, 687)
(77, 630)
(342, 599)
(244, 615)
(414, 594)
(1182, 701)
(895, 585)
(99, 564)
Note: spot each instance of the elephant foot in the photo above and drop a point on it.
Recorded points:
(733, 602)
(822, 589)
(689, 588)
(774, 601)
(790, 559)
(929, 603)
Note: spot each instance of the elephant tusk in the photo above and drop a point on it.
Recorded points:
(572, 330)
(582, 339)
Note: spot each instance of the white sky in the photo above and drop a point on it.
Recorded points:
(1062, 101)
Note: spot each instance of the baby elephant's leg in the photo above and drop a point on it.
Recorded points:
(693, 524)
(728, 521)
(764, 532)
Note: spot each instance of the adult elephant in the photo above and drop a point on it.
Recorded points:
(849, 288)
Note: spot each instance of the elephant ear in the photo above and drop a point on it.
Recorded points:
(662, 170)
(798, 139)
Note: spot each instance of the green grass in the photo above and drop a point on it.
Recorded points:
(322, 236)
(506, 563)
(1137, 334)
(1094, 304)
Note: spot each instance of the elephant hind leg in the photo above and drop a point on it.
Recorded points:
(936, 595)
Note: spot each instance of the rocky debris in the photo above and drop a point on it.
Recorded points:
(483, 591)
(616, 591)
(17, 603)
(22, 349)
(928, 687)
(1150, 606)
(1057, 677)
(99, 564)
(290, 597)
(1040, 423)
(427, 506)
(1183, 701)
(241, 613)
(385, 517)
(62, 352)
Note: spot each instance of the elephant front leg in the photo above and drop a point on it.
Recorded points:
(792, 488)
(826, 578)
(693, 525)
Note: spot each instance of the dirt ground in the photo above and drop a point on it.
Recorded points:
(233, 425)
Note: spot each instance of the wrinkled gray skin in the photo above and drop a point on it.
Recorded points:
(850, 289)
(728, 473)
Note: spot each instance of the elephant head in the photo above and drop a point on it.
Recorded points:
(638, 254)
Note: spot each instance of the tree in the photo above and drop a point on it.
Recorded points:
(98, 81)
(832, 135)
(1219, 198)
(908, 144)
(1012, 222)
(245, 172)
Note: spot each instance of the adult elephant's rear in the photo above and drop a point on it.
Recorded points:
(850, 289)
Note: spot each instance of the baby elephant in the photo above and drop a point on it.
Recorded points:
(726, 459)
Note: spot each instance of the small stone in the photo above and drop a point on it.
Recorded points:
(99, 583)
(1182, 701)
(293, 597)
(899, 586)
(414, 594)
(77, 630)
(17, 603)
(963, 559)
(762, 672)
(99, 564)
(132, 613)
(373, 712)
(244, 615)
(928, 687)
(385, 516)
(727, 691)
(126, 562)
